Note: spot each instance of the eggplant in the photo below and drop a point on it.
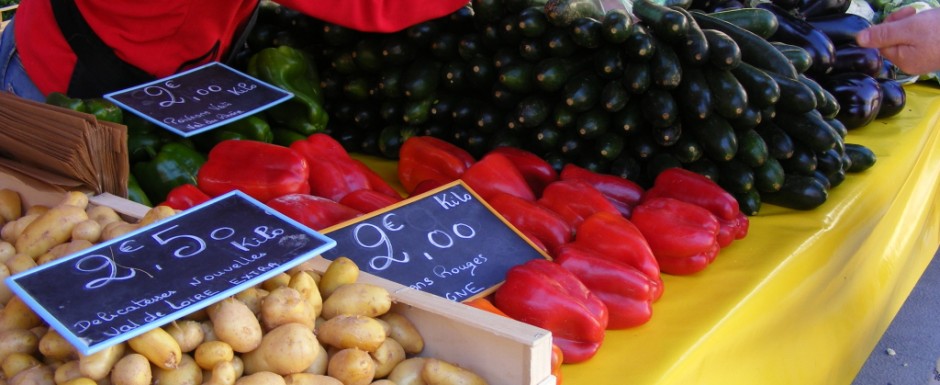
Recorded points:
(893, 98)
(789, 5)
(841, 28)
(796, 31)
(859, 97)
(814, 8)
(852, 58)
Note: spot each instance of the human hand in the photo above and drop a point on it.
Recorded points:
(908, 39)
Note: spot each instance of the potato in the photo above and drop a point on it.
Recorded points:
(357, 298)
(49, 229)
(17, 341)
(340, 272)
(53, 346)
(116, 229)
(440, 372)
(6, 251)
(286, 305)
(252, 298)
(97, 365)
(352, 331)
(16, 362)
(36, 375)
(74, 198)
(306, 283)
(286, 349)
(389, 354)
(408, 372)
(68, 370)
(405, 332)
(275, 282)
(103, 215)
(87, 230)
(17, 315)
(156, 214)
(80, 381)
(159, 347)
(234, 323)
(12, 230)
(352, 367)
(187, 333)
(310, 379)
(20, 263)
(223, 373)
(319, 364)
(261, 378)
(186, 373)
(5, 292)
(132, 369)
(11, 206)
(383, 382)
(210, 353)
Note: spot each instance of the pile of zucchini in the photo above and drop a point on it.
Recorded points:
(628, 93)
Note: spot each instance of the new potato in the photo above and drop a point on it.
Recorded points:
(286, 349)
(234, 323)
(359, 299)
(352, 331)
(132, 369)
(159, 347)
(49, 229)
(352, 367)
(186, 373)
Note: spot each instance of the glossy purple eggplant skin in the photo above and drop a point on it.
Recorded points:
(814, 8)
(859, 97)
(852, 58)
(893, 98)
(797, 31)
(841, 28)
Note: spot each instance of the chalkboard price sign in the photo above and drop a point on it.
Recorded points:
(124, 287)
(200, 99)
(445, 242)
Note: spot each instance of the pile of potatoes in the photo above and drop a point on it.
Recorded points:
(298, 328)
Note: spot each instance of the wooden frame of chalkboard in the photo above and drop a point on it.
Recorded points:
(200, 99)
(447, 241)
(127, 286)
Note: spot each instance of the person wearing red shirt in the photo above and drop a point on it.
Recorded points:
(86, 48)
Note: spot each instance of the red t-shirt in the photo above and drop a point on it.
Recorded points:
(158, 36)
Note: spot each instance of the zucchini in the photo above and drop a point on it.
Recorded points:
(608, 62)
(629, 119)
(717, 138)
(454, 76)
(471, 46)
(667, 23)
(639, 45)
(592, 123)
(798, 57)
(754, 49)
(659, 162)
(796, 97)
(729, 96)
(558, 43)
(562, 12)
(586, 32)
(531, 49)
(860, 157)
(809, 128)
(582, 91)
(532, 22)
(547, 137)
(752, 150)
(686, 149)
(749, 119)
(803, 160)
(828, 162)
(667, 136)
(759, 21)
(769, 177)
(488, 10)
(609, 145)
(532, 111)
(799, 192)
(693, 95)
(552, 73)
(416, 111)
(749, 202)
(762, 90)
(779, 144)
(444, 46)
(618, 25)
(517, 76)
(693, 48)
(614, 97)
(705, 167)
(665, 67)
(420, 79)
(659, 108)
(735, 176)
(637, 76)
(723, 51)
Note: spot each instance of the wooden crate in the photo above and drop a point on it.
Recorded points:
(4, 11)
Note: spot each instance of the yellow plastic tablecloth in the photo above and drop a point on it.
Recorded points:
(806, 296)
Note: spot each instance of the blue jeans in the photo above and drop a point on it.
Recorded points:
(13, 77)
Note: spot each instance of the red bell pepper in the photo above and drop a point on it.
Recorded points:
(695, 188)
(542, 293)
(683, 236)
(428, 158)
(623, 193)
(626, 291)
(366, 200)
(312, 211)
(333, 173)
(612, 236)
(495, 173)
(534, 220)
(575, 200)
(185, 196)
(261, 170)
(537, 172)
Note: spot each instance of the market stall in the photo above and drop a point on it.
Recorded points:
(806, 297)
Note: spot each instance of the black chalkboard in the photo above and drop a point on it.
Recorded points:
(127, 286)
(445, 242)
(200, 99)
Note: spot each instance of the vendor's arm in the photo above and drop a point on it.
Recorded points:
(909, 40)
(375, 15)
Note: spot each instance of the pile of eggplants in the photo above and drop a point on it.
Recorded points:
(862, 81)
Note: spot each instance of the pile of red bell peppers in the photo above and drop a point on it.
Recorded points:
(609, 239)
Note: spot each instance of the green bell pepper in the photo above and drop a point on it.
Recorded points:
(135, 193)
(175, 164)
(289, 68)
(285, 137)
(63, 100)
(253, 127)
(104, 109)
